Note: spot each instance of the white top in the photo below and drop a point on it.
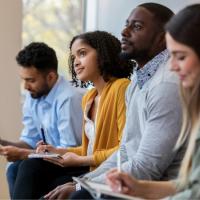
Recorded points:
(90, 127)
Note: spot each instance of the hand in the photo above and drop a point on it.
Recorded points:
(41, 148)
(128, 185)
(61, 192)
(67, 160)
(13, 153)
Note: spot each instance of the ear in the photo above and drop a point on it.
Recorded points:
(51, 77)
(161, 40)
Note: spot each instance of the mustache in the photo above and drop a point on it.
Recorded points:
(125, 40)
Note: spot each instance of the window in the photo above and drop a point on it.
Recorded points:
(54, 22)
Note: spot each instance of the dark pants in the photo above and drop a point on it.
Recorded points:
(37, 177)
(84, 194)
(81, 194)
(11, 175)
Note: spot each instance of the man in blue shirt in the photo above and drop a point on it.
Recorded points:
(51, 103)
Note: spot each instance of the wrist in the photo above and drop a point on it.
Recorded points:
(86, 160)
(77, 187)
(23, 153)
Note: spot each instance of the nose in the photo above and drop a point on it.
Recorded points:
(174, 65)
(26, 86)
(76, 62)
(126, 31)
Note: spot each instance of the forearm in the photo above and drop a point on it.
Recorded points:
(156, 189)
(87, 161)
(23, 153)
(61, 151)
(19, 144)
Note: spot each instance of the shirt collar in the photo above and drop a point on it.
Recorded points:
(51, 95)
(146, 72)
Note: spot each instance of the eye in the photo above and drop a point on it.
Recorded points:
(180, 57)
(126, 25)
(82, 53)
(137, 26)
(31, 81)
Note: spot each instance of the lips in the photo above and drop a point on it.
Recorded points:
(125, 43)
(79, 70)
(182, 77)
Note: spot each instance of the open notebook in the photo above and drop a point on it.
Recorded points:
(97, 189)
(44, 155)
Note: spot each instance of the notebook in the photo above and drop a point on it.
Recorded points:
(98, 189)
(44, 155)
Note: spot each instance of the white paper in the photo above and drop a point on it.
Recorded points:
(44, 155)
(99, 188)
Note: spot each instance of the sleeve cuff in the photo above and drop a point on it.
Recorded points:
(78, 186)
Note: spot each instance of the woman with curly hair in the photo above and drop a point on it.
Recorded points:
(94, 58)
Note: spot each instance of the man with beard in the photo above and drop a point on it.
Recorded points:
(51, 104)
(153, 117)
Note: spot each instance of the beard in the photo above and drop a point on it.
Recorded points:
(137, 55)
(43, 92)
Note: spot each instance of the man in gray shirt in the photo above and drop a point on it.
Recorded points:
(153, 117)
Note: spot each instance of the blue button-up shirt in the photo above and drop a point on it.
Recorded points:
(59, 113)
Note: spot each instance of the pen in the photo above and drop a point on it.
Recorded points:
(119, 167)
(43, 138)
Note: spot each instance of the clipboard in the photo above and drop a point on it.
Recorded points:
(98, 189)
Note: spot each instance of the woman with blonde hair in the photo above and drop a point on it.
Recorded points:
(183, 43)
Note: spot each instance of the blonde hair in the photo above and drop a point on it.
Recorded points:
(190, 127)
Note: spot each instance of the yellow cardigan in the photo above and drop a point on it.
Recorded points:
(110, 122)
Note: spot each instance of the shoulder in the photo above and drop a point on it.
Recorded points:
(120, 84)
(164, 75)
(89, 94)
(66, 91)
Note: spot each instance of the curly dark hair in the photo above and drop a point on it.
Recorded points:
(38, 55)
(108, 48)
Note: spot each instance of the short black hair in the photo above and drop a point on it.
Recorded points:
(184, 27)
(161, 13)
(108, 49)
(38, 55)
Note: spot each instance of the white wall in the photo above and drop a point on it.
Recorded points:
(111, 14)
(10, 43)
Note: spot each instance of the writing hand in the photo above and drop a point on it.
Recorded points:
(41, 148)
(129, 185)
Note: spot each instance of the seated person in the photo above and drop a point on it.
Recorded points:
(94, 58)
(51, 103)
(153, 105)
(183, 42)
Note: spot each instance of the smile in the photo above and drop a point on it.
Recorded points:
(79, 70)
